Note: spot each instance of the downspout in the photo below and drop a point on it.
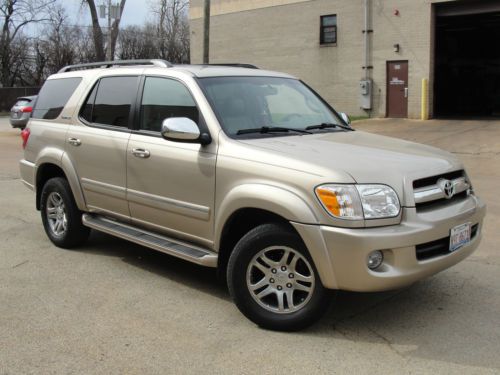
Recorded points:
(366, 31)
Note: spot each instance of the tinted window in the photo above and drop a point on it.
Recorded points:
(113, 101)
(53, 97)
(86, 111)
(163, 98)
(252, 102)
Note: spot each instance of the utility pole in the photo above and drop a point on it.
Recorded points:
(206, 32)
(110, 12)
(110, 57)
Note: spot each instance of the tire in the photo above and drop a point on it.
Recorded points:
(62, 220)
(262, 263)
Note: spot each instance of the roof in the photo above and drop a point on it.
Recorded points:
(139, 65)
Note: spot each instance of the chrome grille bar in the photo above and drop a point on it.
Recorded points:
(434, 192)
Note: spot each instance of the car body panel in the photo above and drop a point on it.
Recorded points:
(190, 191)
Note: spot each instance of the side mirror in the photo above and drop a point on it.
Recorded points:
(183, 129)
(346, 118)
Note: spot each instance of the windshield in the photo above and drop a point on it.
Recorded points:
(244, 103)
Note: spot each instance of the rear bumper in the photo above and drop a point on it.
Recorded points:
(341, 263)
(27, 170)
(18, 123)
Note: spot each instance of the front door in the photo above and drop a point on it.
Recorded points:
(397, 89)
(170, 185)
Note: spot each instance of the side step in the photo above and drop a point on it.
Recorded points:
(155, 241)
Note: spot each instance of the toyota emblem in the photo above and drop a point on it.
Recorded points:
(447, 187)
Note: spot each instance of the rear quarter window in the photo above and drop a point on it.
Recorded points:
(53, 96)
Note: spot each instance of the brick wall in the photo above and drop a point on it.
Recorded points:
(283, 35)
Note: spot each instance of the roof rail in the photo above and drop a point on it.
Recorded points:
(238, 65)
(108, 64)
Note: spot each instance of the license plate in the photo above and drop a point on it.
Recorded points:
(459, 236)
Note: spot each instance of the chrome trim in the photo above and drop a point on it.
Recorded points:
(167, 245)
(434, 192)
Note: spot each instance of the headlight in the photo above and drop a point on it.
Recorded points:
(355, 202)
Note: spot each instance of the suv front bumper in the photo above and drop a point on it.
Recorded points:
(340, 254)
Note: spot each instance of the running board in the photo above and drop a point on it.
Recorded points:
(154, 241)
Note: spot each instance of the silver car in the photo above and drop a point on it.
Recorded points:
(20, 113)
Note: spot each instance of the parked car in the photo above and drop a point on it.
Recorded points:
(21, 111)
(249, 171)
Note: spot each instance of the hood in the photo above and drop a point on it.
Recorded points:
(366, 157)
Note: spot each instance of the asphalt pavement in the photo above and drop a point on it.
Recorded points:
(112, 307)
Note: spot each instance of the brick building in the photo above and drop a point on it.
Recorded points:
(344, 48)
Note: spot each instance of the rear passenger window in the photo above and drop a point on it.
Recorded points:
(110, 101)
(53, 96)
(163, 98)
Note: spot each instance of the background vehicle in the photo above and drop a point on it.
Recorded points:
(249, 171)
(20, 113)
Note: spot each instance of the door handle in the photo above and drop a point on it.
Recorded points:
(141, 153)
(74, 141)
(406, 92)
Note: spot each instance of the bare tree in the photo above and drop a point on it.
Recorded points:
(137, 42)
(15, 15)
(172, 29)
(100, 51)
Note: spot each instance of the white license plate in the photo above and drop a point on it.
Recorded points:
(460, 236)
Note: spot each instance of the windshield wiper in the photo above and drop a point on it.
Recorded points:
(327, 125)
(271, 129)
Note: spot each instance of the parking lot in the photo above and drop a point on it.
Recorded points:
(117, 308)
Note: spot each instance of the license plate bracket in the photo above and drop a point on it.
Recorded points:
(460, 236)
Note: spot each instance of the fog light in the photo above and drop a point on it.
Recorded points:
(375, 259)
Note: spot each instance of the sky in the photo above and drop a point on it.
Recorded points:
(136, 12)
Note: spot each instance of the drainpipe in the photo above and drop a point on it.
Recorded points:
(366, 31)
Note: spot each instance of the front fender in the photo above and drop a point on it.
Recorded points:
(286, 204)
(277, 200)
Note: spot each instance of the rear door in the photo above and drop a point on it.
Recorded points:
(97, 144)
(397, 89)
(170, 185)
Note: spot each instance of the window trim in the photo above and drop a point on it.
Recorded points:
(322, 28)
(133, 103)
(202, 125)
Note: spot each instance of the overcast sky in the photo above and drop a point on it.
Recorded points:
(136, 12)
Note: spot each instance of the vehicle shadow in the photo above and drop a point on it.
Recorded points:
(434, 319)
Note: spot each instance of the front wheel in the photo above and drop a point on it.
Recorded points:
(273, 281)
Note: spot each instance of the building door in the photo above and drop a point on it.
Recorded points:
(397, 89)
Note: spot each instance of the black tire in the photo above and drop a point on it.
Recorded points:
(75, 233)
(253, 243)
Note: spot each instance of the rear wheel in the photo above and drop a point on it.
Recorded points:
(62, 220)
(273, 281)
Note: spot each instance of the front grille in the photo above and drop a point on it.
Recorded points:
(429, 192)
(441, 202)
(439, 247)
(433, 179)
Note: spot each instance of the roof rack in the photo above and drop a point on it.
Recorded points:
(238, 65)
(108, 64)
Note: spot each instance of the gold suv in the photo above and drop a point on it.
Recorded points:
(249, 171)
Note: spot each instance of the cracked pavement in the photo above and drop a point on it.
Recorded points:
(114, 307)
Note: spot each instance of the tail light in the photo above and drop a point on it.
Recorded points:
(25, 134)
(27, 109)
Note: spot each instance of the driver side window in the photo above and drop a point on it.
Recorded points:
(163, 98)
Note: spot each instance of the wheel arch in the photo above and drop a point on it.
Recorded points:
(247, 206)
(50, 168)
